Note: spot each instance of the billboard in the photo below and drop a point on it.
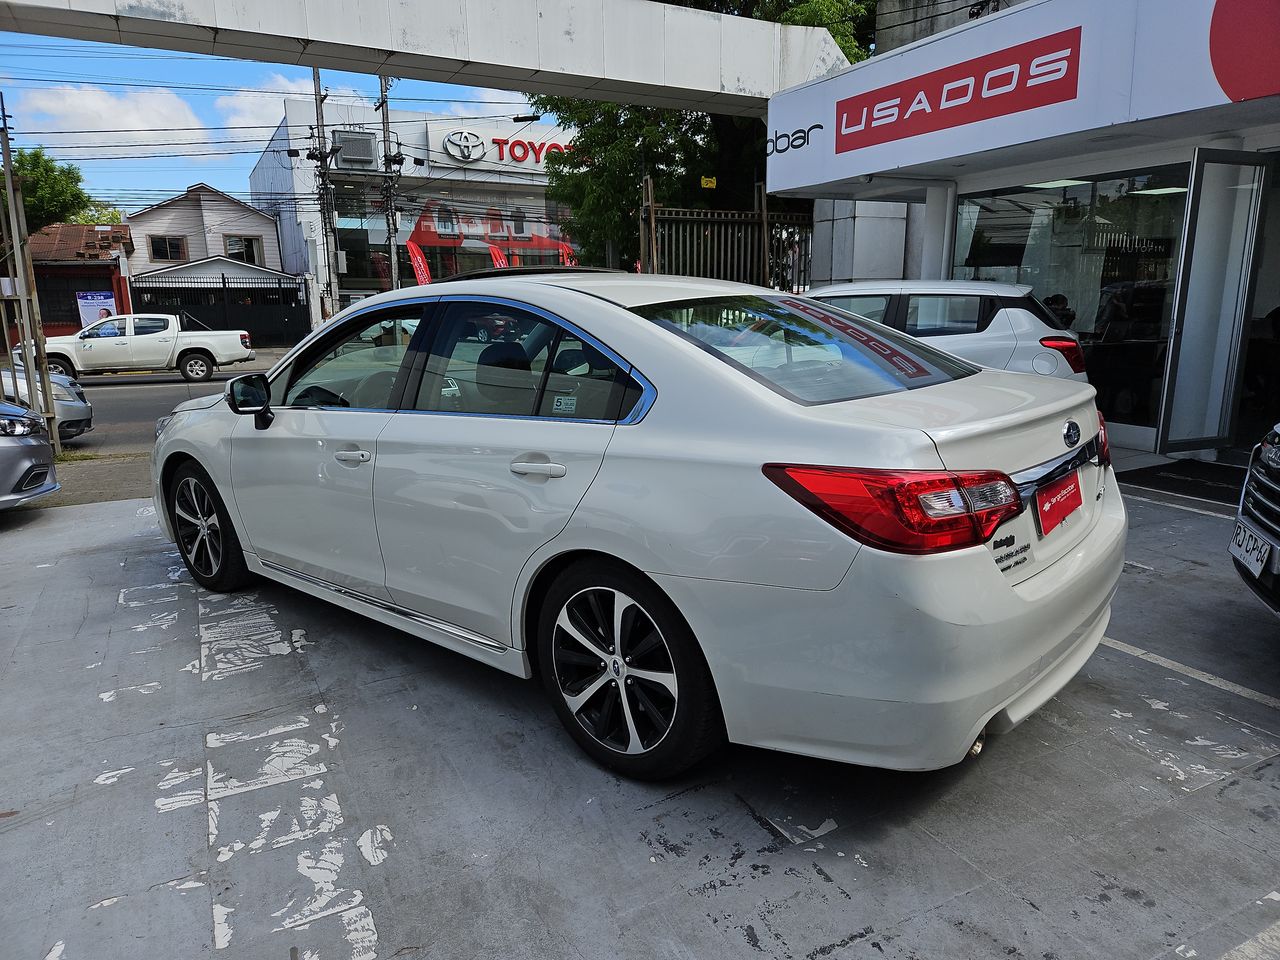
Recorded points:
(94, 305)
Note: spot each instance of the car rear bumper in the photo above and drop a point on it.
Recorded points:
(906, 661)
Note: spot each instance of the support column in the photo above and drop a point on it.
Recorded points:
(939, 233)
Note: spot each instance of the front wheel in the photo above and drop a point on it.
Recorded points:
(196, 367)
(483, 335)
(60, 367)
(206, 539)
(625, 673)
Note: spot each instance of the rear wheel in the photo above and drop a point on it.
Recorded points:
(625, 673)
(196, 367)
(61, 366)
(206, 539)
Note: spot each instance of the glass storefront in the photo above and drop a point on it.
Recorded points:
(1102, 253)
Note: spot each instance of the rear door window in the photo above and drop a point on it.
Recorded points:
(803, 350)
(872, 307)
(147, 326)
(930, 315)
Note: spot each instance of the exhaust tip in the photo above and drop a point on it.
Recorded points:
(978, 744)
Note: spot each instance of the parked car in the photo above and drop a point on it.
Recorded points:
(998, 325)
(26, 458)
(70, 405)
(693, 509)
(151, 341)
(1255, 545)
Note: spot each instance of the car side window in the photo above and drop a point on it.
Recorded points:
(113, 327)
(535, 367)
(943, 316)
(146, 326)
(358, 371)
(871, 307)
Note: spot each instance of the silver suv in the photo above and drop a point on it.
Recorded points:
(998, 325)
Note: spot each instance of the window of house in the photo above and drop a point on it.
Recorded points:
(168, 248)
(245, 249)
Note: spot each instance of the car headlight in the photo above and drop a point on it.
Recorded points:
(62, 393)
(21, 427)
(161, 424)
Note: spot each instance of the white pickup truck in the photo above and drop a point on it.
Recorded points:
(148, 341)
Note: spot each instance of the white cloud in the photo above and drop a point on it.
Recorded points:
(150, 115)
(496, 103)
(263, 106)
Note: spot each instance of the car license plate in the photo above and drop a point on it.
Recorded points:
(1250, 549)
(1058, 501)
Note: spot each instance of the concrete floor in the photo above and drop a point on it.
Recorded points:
(266, 776)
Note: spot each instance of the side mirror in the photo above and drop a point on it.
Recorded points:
(251, 394)
(83, 335)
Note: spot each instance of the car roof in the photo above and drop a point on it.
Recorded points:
(623, 289)
(989, 288)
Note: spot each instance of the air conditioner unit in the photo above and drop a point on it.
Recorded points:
(357, 148)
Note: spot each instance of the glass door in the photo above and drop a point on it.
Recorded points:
(1212, 300)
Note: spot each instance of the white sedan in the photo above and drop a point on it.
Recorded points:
(693, 510)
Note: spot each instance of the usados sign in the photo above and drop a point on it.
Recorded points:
(1023, 77)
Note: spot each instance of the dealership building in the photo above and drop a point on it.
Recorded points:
(469, 193)
(1116, 153)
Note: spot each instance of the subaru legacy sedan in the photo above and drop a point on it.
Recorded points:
(693, 510)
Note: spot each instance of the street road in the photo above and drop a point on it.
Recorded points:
(125, 410)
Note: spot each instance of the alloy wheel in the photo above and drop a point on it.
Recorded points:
(482, 334)
(196, 368)
(614, 670)
(198, 528)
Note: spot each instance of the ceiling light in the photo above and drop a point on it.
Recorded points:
(1160, 191)
(1055, 184)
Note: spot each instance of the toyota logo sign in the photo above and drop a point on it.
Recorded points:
(464, 146)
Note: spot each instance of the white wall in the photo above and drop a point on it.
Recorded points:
(860, 240)
(205, 220)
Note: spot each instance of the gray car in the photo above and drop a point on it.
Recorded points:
(26, 459)
(72, 408)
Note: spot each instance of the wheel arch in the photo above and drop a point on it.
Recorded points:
(188, 351)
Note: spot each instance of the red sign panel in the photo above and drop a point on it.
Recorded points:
(1032, 74)
(1058, 501)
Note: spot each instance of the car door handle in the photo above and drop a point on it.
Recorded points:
(528, 468)
(353, 456)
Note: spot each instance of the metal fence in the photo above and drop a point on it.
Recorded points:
(766, 249)
(273, 309)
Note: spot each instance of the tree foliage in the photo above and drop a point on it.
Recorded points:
(52, 192)
(98, 211)
(616, 145)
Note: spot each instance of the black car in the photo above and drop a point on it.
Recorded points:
(1255, 545)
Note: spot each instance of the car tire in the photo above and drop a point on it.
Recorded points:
(196, 367)
(62, 366)
(483, 335)
(643, 705)
(216, 561)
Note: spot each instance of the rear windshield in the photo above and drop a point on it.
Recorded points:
(808, 352)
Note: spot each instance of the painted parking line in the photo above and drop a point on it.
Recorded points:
(1224, 685)
(1177, 506)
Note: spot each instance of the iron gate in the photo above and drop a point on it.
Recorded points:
(273, 309)
(765, 249)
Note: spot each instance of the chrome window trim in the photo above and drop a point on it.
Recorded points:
(452, 629)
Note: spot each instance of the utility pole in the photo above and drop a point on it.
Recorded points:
(389, 177)
(328, 229)
(31, 331)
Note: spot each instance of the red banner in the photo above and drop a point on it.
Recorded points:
(1030, 75)
(421, 271)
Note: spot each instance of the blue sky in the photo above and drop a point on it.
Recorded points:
(142, 132)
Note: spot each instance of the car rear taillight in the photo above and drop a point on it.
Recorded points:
(244, 341)
(1104, 445)
(904, 511)
(1070, 350)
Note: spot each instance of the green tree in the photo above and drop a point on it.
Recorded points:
(98, 211)
(617, 144)
(52, 192)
